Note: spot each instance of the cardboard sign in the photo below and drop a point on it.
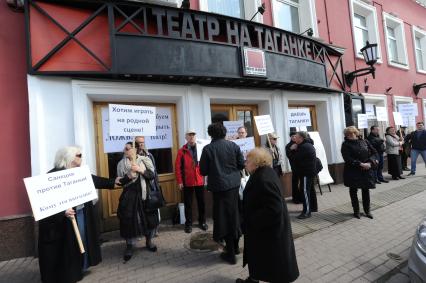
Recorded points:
(232, 129)
(264, 124)
(55, 192)
(408, 109)
(324, 176)
(398, 119)
(362, 121)
(131, 120)
(300, 117)
(369, 110)
(382, 114)
(408, 121)
(245, 145)
(201, 143)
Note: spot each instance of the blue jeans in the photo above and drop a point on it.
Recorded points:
(414, 154)
(379, 175)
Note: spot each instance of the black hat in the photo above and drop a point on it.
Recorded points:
(292, 134)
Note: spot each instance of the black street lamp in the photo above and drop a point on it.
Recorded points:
(416, 88)
(369, 51)
(260, 9)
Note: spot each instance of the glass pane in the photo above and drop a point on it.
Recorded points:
(231, 8)
(287, 17)
(419, 58)
(361, 37)
(219, 115)
(391, 32)
(247, 117)
(356, 109)
(393, 53)
(418, 45)
(360, 21)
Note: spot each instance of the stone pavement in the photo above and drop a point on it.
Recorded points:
(331, 246)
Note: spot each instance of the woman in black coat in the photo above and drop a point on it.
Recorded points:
(268, 242)
(359, 156)
(60, 259)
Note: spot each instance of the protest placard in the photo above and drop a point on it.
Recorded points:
(398, 119)
(381, 114)
(362, 121)
(264, 124)
(324, 175)
(232, 129)
(245, 145)
(299, 117)
(57, 191)
(201, 143)
(131, 120)
(408, 109)
(369, 110)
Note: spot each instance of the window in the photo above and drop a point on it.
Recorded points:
(395, 38)
(295, 15)
(364, 25)
(419, 37)
(375, 105)
(287, 15)
(232, 8)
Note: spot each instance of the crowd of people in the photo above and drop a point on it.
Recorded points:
(256, 211)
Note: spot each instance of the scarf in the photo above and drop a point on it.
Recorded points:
(124, 167)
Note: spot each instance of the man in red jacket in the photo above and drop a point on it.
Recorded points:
(189, 180)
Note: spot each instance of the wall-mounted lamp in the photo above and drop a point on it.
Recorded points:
(369, 51)
(309, 32)
(260, 9)
(416, 88)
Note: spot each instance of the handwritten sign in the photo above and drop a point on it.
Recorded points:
(245, 145)
(299, 117)
(131, 120)
(381, 114)
(362, 121)
(232, 128)
(201, 143)
(408, 109)
(57, 191)
(264, 124)
(369, 110)
(398, 119)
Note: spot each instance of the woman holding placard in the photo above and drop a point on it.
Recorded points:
(60, 259)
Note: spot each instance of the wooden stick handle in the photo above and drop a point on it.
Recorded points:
(77, 234)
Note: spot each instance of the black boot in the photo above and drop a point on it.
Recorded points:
(366, 203)
(150, 246)
(355, 203)
(128, 252)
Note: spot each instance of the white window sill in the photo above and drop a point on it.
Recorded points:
(359, 56)
(399, 66)
(421, 71)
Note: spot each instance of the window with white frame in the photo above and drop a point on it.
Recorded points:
(232, 8)
(409, 121)
(295, 15)
(419, 37)
(372, 104)
(395, 39)
(364, 25)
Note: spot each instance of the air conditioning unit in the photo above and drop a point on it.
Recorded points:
(170, 3)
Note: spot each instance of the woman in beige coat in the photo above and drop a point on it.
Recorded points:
(393, 143)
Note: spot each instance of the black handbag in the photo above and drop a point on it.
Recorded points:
(154, 199)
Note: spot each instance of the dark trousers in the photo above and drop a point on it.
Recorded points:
(232, 245)
(379, 170)
(309, 195)
(365, 199)
(296, 193)
(188, 193)
(404, 158)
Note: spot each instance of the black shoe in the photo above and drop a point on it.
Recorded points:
(369, 215)
(228, 258)
(128, 252)
(304, 215)
(151, 247)
(247, 280)
(411, 174)
(378, 182)
(401, 177)
(395, 178)
(203, 226)
(384, 181)
(406, 169)
(357, 215)
(188, 229)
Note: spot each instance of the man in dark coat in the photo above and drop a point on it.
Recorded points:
(418, 145)
(221, 161)
(379, 145)
(268, 242)
(297, 195)
(303, 154)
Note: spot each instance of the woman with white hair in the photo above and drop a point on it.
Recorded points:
(60, 259)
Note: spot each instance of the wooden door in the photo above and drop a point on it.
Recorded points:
(244, 113)
(107, 165)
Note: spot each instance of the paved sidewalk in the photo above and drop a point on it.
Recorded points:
(330, 247)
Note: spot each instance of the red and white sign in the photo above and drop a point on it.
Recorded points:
(254, 63)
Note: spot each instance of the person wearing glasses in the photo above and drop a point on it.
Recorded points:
(277, 158)
(242, 132)
(135, 219)
(60, 259)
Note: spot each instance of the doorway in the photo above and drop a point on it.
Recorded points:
(244, 113)
(109, 153)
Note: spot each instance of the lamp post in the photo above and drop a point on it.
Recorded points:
(260, 9)
(369, 51)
